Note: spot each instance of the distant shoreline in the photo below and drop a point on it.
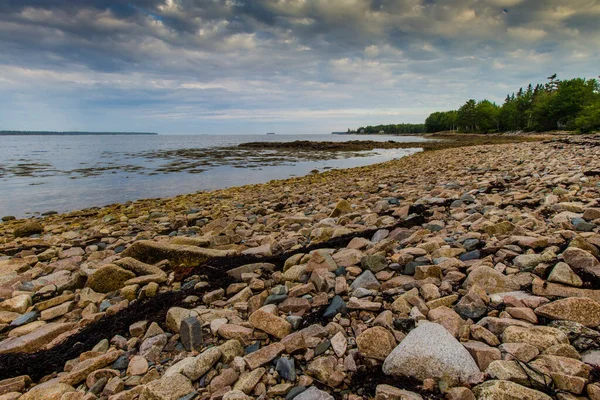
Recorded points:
(69, 133)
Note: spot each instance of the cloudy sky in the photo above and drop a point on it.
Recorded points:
(288, 66)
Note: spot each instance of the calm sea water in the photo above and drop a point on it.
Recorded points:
(65, 173)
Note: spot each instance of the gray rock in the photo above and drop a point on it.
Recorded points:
(312, 393)
(366, 280)
(294, 392)
(286, 369)
(337, 305)
(25, 319)
(190, 332)
(430, 351)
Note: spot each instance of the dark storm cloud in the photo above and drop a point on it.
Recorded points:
(235, 59)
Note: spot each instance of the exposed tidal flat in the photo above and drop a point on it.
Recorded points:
(468, 272)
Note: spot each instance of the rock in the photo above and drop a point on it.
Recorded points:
(264, 355)
(564, 365)
(490, 280)
(448, 318)
(51, 390)
(336, 306)
(543, 288)
(202, 363)
(236, 395)
(500, 229)
(323, 369)
(347, 257)
(138, 365)
(506, 390)
(321, 259)
(167, 388)
(526, 261)
(28, 228)
(579, 259)
(387, 392)
(267, 322)
(374, 263)
(25, 319)
(518, 351)
(35, 340)
(471, 306)
(152, 347)
(541, 337)
(376, 342)
(80, 371)
(482, 353)
(175, 316)
(18, 304)
(429, 351)
(578, 309)
(152, 252)
(312, 393)
(562, 273)
(248, 380)
(342, 207)
(286, 369)
(591, 357)
(518, 372)
(190, 332)
(108, 278)
(339, 343)
(366, 280)
(16, 384)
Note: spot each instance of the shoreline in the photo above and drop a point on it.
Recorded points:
(330, 271)
(190, 160)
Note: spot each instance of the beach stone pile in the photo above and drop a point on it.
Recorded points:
(467, 273)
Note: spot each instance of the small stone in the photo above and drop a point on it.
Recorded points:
(168, 388)
(18, 304)
(336, 306)
(272, 324)
(108, 278)
(138, 365)
(312, 393)
(28, 228)
(248, 380)
(387, 392)
(264, 355)
(541, 337)
(366, 280)
(339, 343)
(376, 342)
(190, 332)
(562, 273)
(578, 309)
(285, 368)
(498, 389)
(482, 353)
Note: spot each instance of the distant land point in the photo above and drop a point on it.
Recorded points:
(69, 133)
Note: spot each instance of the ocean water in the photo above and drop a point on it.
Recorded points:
(64, 173)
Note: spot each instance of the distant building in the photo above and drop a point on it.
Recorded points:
(362, 131)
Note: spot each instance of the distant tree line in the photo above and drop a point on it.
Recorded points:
(391, 128)
(570, 104)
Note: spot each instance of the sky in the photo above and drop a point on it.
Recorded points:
(284, 66)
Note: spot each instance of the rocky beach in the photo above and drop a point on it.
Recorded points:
(465, 272)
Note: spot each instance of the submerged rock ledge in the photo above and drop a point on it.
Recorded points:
(317, 287)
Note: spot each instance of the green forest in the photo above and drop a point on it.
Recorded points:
(391, 128)
(572, 104)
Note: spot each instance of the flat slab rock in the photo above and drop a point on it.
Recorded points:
(430, 351)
